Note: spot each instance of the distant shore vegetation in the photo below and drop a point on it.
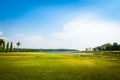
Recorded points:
(8, 47)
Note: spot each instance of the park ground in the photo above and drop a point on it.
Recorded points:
(46, 66)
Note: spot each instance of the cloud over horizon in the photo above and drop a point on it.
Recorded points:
(88, 30)
(27, 40)
(1, 33)
(75, 24)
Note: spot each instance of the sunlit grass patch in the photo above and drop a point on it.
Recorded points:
(41, 66)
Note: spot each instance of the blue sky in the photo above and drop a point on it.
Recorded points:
(73, 24)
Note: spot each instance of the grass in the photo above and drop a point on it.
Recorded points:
(41, 66)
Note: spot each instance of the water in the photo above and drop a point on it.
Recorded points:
(61, 52)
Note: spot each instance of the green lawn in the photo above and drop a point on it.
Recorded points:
(41, 66)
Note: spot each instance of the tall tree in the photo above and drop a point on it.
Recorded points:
(1, 44)
(4, 46)
(115, 46)
(7, 47)
(11, 47)
(18, 44)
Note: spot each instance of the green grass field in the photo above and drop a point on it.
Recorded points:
(41, 66)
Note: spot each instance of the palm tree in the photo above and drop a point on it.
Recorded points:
(18, 44)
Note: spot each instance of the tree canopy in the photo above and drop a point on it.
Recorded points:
(107, 47)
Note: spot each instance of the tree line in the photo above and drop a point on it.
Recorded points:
(108, 47)
(7, 46)
(43, 50)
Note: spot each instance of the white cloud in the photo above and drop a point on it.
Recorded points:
(86, 30)
(2, 37)
(89, 29)
(34, 38)
(1, 33)
(30, 41)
